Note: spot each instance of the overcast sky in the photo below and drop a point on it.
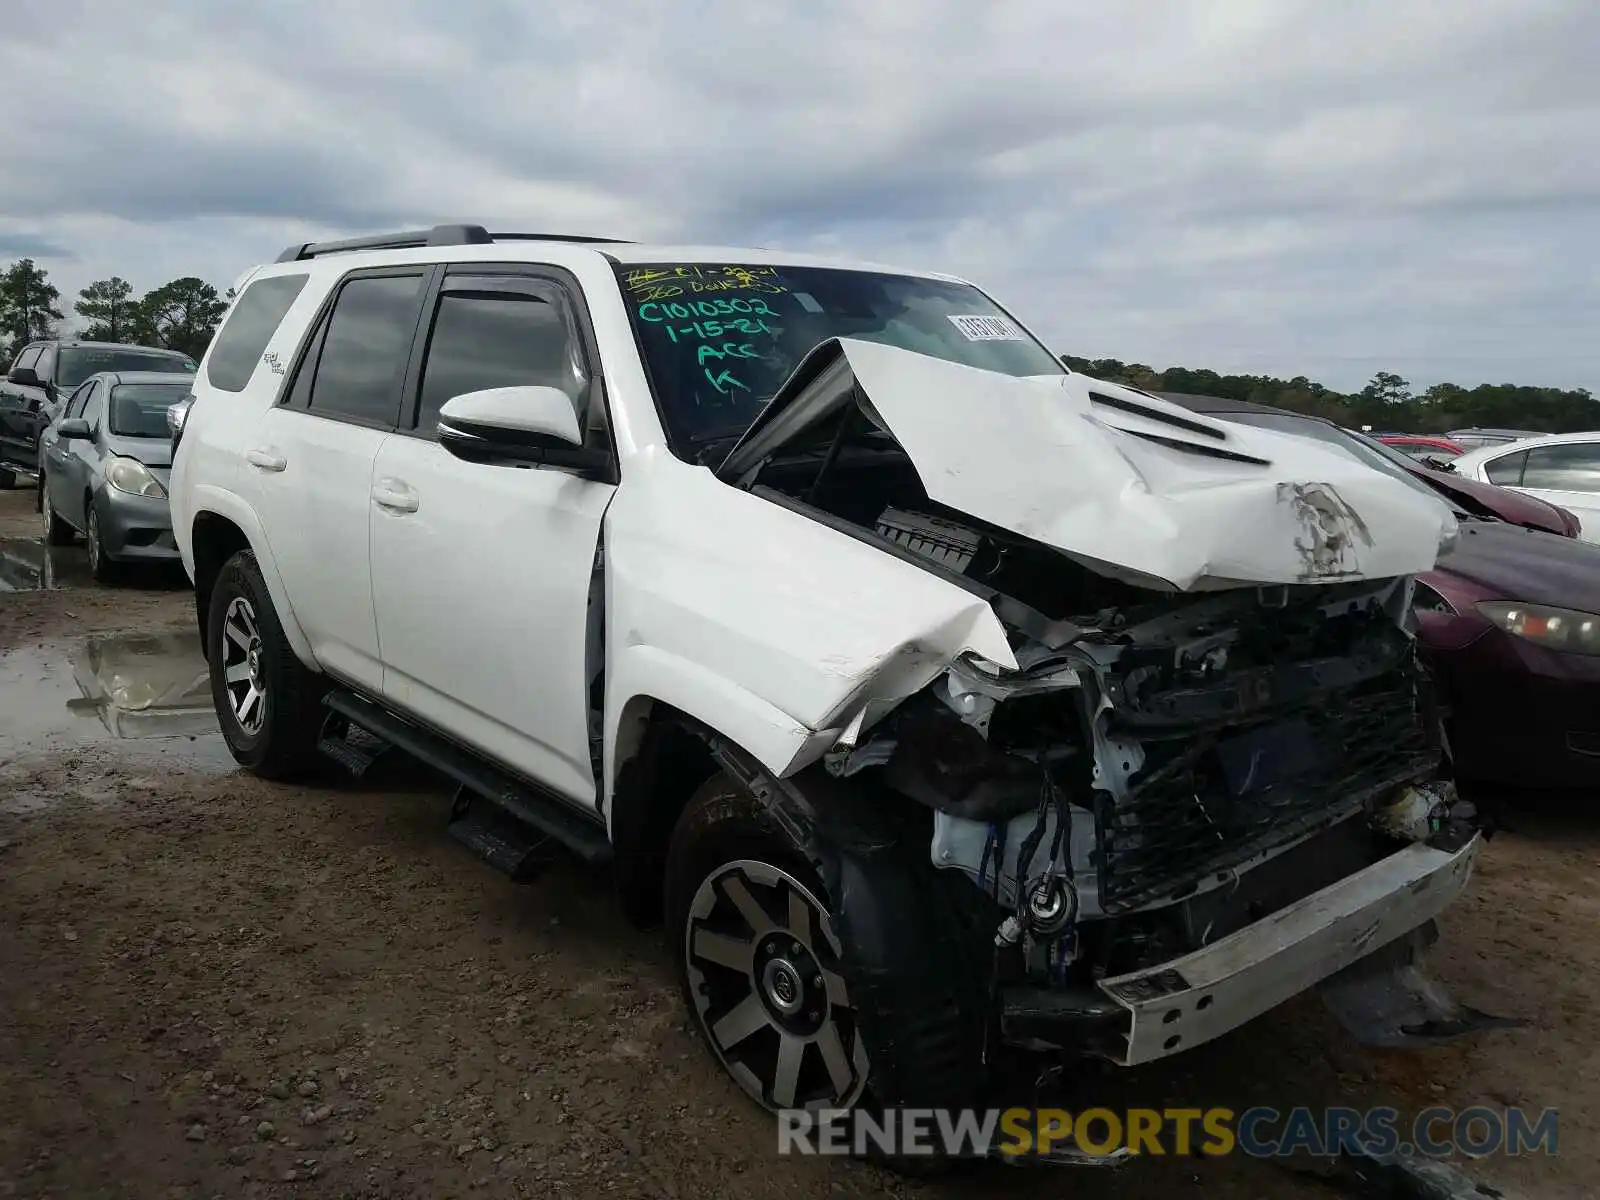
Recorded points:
(1328, 187)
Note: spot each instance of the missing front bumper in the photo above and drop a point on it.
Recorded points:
(1191, 1000)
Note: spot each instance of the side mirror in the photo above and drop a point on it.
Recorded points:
(519, 426)
(74, 429)
(26, 376)
(1437, 462)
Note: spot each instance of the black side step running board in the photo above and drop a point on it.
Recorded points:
(544, 816)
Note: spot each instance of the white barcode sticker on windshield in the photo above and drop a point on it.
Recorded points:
(988, 329)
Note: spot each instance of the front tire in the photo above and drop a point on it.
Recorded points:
(268, 702)
(907, 1031)
(758, 959)
(102, 566)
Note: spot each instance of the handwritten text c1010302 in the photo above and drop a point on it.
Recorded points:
(657, 311)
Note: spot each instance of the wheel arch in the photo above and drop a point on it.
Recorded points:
(664, 717)
(217, 533)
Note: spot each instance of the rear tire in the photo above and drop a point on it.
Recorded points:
(268, 702)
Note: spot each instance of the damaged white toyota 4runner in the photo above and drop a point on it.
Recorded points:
(942, 701)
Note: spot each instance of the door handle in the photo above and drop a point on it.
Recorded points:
(394, 496)
(266, 460)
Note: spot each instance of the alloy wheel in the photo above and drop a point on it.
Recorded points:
(763, 967)
(45, 509)
(243, 674)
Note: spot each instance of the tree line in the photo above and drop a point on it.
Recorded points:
(181, 314)
(1387, 403)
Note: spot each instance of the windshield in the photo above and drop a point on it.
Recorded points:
(79, 362)
(140, 409)
(1364, 450)
(719, 340)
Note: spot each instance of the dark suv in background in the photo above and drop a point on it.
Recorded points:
(45, 373)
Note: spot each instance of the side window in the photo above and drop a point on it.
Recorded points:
(94, 407)
(255, 317)
(46, 366)
(28, 357)
(1574, 467)
(1506, 470)
(498, 332)
(359, 374)
(79, 398)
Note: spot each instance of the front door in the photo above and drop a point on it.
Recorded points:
(72, 492)
(482, 574)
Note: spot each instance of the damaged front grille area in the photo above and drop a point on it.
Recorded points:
(1210, 804)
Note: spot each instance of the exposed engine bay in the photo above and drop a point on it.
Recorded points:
(1166, 767)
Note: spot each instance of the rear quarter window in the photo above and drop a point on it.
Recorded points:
(243, 339)
(1507, 469)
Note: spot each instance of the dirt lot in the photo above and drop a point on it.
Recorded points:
(212, 986)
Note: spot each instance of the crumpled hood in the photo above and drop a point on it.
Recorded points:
(1131, 485)
(1502, 502)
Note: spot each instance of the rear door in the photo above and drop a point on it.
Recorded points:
(56, 456)
(308, 464)
(1568, 474)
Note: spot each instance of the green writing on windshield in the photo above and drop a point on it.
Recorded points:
(723, 329)
(656, 311)
(726, 350)
(714, 329)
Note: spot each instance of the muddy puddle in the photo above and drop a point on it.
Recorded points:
(109, 687)
(28, 565)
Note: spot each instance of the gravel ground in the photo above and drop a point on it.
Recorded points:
(214, 986)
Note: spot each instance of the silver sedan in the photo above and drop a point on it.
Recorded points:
(105, 460)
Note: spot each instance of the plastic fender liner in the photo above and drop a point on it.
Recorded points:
(922, 989)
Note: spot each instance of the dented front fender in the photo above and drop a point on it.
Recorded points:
(770, 627)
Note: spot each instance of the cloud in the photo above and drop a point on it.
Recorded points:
(1267, 185)
(31, 245)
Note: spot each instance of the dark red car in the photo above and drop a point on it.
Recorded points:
(1508, 619)
(1510, 622)
(1481, 499)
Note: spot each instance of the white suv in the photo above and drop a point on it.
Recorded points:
(940, 700)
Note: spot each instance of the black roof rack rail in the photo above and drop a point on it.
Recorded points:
(580, 238)
(439, 235)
